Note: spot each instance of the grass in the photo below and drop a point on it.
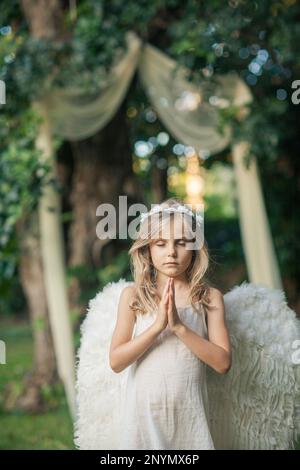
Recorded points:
(18, 430)
(51, 430)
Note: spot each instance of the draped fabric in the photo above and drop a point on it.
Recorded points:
(76, 115)
(181, 105)
(257, 239)
(52, 249)
(189, 112)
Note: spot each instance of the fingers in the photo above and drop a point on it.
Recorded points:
(168, 296)
(171, 286)
(171, 293)
(166, 288)
(165, 296)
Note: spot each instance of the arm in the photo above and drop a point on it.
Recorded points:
(216, 352)
(123, 349)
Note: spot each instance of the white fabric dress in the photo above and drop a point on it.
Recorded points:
(166, 404)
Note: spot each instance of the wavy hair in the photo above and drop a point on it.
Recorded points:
(144, 273)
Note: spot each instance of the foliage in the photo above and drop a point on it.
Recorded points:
(21, 178)
(92, 281)
(257, 40)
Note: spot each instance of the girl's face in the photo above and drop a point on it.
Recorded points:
(169, 252)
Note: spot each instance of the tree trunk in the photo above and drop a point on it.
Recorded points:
(158, 183)
(45, 19)
(31, 275)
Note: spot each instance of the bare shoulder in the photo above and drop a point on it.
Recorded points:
(216, 320)
(128, 293)
(214, 293)
(214, 296)
(125, 318)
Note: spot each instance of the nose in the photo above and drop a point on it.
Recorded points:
(171, 249)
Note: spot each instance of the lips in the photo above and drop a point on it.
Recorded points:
(171, 264)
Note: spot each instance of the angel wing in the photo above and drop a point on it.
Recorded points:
(98, 388)
(256, 405)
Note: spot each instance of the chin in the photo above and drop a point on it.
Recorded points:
(170, 271)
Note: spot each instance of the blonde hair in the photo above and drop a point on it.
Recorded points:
(144, 273)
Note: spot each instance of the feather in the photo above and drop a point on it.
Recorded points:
(98, 387)
(256, 404)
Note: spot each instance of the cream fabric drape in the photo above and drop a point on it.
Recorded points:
(191, 119)
(257, 239)
(75, 115)
(52, 249)
(181, 105)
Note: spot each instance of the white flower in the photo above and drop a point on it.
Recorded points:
(180, 209)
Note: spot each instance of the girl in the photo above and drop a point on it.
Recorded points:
(179, 329)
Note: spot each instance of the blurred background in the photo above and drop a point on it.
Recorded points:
(83, 120)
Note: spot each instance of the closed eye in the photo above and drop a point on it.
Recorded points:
(179, 242)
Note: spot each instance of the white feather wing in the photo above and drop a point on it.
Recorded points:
(256, 404)
(98, 388)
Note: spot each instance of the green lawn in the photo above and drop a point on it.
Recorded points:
(50, 430)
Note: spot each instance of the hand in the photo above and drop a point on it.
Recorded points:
(162, 315)
(173, 317)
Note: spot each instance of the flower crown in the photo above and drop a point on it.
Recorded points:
(180, 209)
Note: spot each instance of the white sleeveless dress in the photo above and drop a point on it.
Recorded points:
(165, 405)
